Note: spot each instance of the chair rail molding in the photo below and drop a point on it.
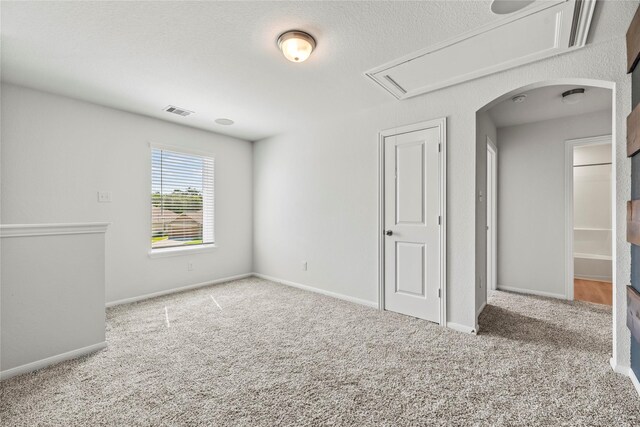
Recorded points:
(26, 230)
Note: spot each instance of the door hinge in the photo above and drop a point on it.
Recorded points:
(439, 147)
(439, 293)
(439, 220)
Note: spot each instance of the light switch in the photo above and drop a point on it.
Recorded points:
(104, 196)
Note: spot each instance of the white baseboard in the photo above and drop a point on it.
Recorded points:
(461, 328)
(43, 363)
(634, 380)
(627, 371)
(531, 292)
(318, 290)
(174, 290)
(484, 304)
(619, 369)
(480, 310)
(607, 279)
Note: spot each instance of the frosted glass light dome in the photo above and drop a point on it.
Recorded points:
(296, 46)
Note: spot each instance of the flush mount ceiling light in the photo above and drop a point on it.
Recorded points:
(504, 7)
(296, 45)
(573, 96)
(518, 99)
(224, 122)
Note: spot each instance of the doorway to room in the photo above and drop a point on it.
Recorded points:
(539, 250)
(589, 216)
(545, 196)
(412, 256)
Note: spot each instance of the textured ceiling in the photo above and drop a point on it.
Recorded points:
(219, 59)
(546, 103)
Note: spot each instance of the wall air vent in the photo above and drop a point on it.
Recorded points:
(538, 31)
(177, 110)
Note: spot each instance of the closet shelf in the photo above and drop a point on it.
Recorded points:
(591, 229)
(592, 256)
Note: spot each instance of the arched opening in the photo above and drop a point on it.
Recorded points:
(546, 201)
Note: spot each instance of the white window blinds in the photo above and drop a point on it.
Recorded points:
(182, 204)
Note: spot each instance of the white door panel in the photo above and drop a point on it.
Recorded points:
(409, 184)
(411, 211)
(410, 264)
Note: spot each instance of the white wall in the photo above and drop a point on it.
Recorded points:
(52, 296)
(588, 154)
(592, 187)
(531, 200)
(316, 188)
(484, 128)
(57, 153)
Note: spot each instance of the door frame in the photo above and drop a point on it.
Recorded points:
(429, 124)
(569, 145)
(492, 257)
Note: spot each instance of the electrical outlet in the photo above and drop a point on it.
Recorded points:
(104, 196)
(189, 266)
(304, 265)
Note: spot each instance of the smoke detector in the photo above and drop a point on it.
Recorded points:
(177, 110)
(518, 99)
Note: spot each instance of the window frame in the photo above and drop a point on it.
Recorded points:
(187, 249)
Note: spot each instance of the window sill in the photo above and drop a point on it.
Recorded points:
(161, 253)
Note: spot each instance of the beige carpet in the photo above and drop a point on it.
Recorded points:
(274, 355)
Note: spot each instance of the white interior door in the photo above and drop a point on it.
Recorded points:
(412, 223)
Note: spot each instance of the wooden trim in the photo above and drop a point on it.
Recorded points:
(530, 292)
(442, 125)
(181, 149)
(461, 328)
(634, 380)
(29, 230)
(176, 290)
(371, 304)
(633, 42)
(633, 312)
(633, 222)
(182, 250)
(43, 363)
(560, 10)
(633, 132)
(493, 285)
(568, 208)
(583, 14)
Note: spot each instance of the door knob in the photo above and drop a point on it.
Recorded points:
(389, 233)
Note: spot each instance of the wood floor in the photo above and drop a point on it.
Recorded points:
(592, 291)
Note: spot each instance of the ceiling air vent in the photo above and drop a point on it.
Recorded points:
(177, 110)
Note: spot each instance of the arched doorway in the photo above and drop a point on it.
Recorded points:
(532, 257)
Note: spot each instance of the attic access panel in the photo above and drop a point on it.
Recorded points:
(544, 29)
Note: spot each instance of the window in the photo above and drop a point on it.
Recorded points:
(181, 199)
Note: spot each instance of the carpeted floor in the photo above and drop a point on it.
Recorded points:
(256, 353)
